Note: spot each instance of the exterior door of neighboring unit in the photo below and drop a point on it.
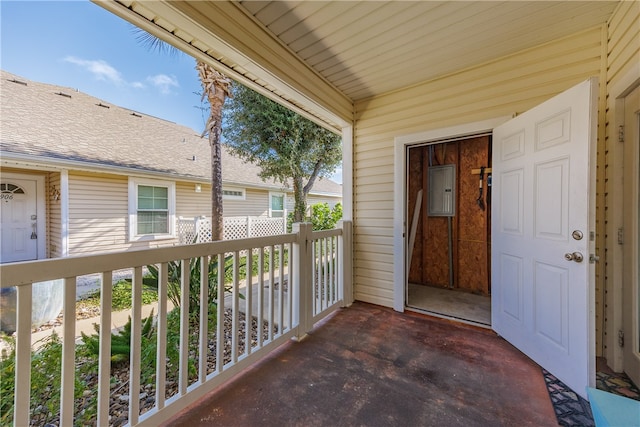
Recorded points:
(631, 247)
(543, 283)
(18, 220)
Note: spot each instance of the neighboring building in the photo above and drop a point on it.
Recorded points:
(80, 192)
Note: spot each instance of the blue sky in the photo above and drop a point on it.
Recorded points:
(80, 45)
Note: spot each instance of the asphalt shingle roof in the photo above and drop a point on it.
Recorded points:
(56, 123)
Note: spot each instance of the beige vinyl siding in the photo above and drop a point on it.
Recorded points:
(624, 40)
(190, 204)
(98, 213)
(256, 203)
(622, 58)
(54, 218)
(509, 85)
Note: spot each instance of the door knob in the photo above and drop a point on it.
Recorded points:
(575, 256)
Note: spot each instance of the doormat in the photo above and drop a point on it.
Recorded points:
(570, 408)
(573, 410)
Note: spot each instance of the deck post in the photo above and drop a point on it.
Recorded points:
(303, 289)
(345, 252)
(22, 390)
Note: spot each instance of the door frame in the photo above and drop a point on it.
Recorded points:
(618, 91)
(400, 218)
(41, 228)
(631, 243)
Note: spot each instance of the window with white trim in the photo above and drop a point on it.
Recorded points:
(276, 205)
(233, 193)
(151, 209)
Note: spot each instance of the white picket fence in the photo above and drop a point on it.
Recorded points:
(198, 229)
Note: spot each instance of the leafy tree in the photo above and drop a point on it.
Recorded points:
(322, 217)
(284, 145)
(215, 88)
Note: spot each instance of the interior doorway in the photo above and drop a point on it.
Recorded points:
(448, 209)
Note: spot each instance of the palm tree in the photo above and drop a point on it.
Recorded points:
(216, 88)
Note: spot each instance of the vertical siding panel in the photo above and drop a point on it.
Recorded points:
(511, 84)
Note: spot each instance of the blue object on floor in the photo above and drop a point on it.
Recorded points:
(612, 410)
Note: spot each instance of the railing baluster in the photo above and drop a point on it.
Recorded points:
(271, 291)
(204, 316)
(136, 343)
(248, 301)
(67, 382)
(104, 353)
(314, 277)
(236, 308)
(220, 322)
(281, 289)
(290, 284)
(325, 265)
(332, 268)
(161, 354)
(321, 275)
(183, 376)
(22, 394)
(260, 295)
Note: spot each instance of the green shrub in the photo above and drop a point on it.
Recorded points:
(174, 278)
(120, 340)
(46, 365)
(322, 217)
(121, 296)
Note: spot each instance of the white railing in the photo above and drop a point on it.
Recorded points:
(198, 229)
(280, 300)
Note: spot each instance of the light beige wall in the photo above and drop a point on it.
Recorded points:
(256, 203)
(189, 203)
(509, 85)
(623, 73)
(98, 213)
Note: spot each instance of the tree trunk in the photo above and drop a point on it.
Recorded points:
(217, 219)
(216, 88)
(300, 200)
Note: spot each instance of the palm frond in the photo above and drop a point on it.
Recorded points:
(153, 43)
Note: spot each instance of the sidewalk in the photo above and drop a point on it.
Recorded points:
(118, 320)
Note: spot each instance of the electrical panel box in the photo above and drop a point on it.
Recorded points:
(442, 184)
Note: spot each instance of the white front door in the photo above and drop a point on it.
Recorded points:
(19, 220)
(542, 234)
(631, 247)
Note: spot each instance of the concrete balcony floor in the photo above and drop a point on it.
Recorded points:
(370, 366)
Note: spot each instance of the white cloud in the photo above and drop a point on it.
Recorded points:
(163, 82)
(138, 85)
(99, 68)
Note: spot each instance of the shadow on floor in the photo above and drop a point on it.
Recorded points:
(369, 365)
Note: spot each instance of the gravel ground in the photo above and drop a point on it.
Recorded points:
(119, 399)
